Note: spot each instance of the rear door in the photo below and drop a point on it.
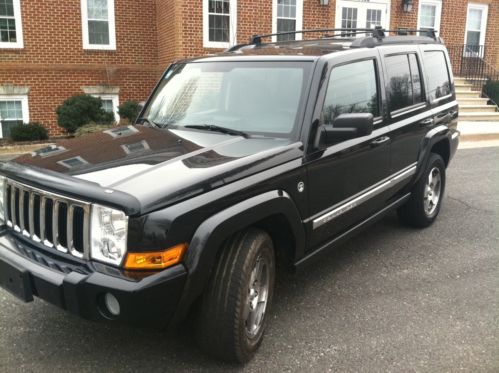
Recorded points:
(409, 111)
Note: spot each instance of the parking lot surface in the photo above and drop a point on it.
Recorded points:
(392, 299)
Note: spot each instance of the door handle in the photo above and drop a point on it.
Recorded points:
(427, 122)
(380, 141)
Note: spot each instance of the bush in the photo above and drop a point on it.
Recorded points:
(491, 89)
(129, 110)
(91, 128)
(28, 132)
(77, 111)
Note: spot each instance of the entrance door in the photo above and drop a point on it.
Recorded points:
(362, 14)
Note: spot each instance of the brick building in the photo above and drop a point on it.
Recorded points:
(117, 49)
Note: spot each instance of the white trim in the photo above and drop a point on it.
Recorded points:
(111, 24)
(19, 44)
(362, 7)
(116, 102)
(438, 12)
(298, 19)
(24, 107)
(483, 25)
(232, 22)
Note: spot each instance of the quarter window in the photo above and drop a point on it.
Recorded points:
(98, 24)
(11, 35)
(437, 74)
(219, 23)
(352, 88)
(13, 111)
(403, 80)
(288, 16)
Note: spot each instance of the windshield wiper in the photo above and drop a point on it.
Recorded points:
(215, 128)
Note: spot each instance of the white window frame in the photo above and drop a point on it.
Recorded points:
(111, 23)
(483, 29)
(24, 107)
(438, 12)
(116, 102)
(298, 19)
(233, 27)
(19, 44)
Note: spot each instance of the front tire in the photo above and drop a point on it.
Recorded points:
(232, 315)
(427, 194)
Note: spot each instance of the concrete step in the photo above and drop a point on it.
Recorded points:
(464, 87)
(467, 94)
(479, 117)
(477, 108)
(473, 101)
(459, 80)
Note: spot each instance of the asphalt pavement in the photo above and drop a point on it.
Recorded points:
(392, 299)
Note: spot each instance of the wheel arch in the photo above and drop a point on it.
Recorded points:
(271, 211)
(436, 140)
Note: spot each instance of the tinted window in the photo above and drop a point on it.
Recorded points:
(437, 75)
(404, 81)
(352, 88)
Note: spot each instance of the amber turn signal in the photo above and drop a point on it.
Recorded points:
(157, 259)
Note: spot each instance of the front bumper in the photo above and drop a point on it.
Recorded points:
(146, 300)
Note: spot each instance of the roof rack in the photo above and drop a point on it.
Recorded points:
(378, 33)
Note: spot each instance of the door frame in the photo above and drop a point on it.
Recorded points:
(483, 28)
(361, 4)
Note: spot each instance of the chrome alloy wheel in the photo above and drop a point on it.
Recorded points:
(432, 192)
(258, 293)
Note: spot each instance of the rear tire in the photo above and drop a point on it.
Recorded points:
(422, 209)
(233, 310)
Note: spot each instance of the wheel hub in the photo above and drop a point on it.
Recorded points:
(258, 291)
(432, 191)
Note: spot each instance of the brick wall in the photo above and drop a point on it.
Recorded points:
(54, 64)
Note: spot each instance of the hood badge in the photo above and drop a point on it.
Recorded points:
(301, 186)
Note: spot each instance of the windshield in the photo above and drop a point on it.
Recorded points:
(255, 97)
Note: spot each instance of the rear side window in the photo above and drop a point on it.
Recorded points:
(404, 81)
(352, 88)
(437, 74)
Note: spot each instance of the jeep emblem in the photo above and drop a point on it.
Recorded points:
(301, 186)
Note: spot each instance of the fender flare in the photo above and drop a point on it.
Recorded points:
(433, 136)
(202, 252)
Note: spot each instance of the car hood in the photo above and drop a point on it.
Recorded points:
(160, 166)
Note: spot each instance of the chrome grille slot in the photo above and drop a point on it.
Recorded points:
(57, 222)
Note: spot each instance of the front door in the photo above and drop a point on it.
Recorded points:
(362, 14)
(343, 178)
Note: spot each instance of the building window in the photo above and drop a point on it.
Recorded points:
(98, 24)
(429, 15)
(11, 33)
(362, 14)
(476, 25)
(287, 16)
(219, 23)
(13, 111)
(110, 104)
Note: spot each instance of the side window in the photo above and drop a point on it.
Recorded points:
(404, 81)
(352, 88)
(437, 74)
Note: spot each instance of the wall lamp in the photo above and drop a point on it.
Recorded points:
(324, 2)
(408, 5)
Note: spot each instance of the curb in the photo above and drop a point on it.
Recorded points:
(471, 137)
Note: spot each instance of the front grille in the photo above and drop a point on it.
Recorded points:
(55, 221)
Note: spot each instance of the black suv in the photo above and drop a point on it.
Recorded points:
(265, 156)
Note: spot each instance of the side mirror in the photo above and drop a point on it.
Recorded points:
(344, 127)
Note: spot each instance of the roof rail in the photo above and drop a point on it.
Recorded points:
(377, 32)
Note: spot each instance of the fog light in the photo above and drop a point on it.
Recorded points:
(112, 304)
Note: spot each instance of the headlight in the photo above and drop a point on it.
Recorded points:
(109, 228)
(2, 204)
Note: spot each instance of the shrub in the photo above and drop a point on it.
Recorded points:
(129, 110)
(28, 132)
(491, 89)
(91, 128)
(77, 111)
